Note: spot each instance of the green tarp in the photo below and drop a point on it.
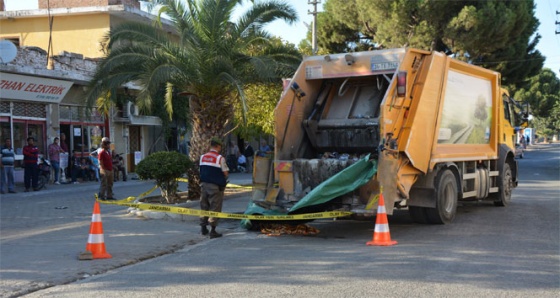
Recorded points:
(344, 182)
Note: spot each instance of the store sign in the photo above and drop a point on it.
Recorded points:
(14, 86)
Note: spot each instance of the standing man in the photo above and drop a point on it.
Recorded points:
(31, 172)
(63, 144)
(64, 147)
(54, 151)
(7, 167)
(213, 177)
(249, 152)
(105, 170)
(75, 167)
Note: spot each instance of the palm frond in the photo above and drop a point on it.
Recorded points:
(262, 14)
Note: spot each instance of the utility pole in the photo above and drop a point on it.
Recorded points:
(557, 23)
(314, 27)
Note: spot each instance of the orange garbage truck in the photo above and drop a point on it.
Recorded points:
(432, 130)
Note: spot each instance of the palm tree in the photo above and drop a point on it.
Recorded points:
(209, 59)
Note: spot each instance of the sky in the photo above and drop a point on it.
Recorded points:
(549, 44)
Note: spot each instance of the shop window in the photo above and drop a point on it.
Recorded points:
(37, 132)
(14, 40)
(65, 113)
(77, 114)
(79, 138)
(84, 138)
(5, 107)
(35, 110)
(96, 133)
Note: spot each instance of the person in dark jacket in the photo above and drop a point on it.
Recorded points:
(213, 176)
(249, 153)
(30, 158)
(76, 166)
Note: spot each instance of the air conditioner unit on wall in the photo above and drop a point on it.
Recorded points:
(131, 110)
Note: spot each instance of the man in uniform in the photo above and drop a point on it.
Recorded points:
(213, 176)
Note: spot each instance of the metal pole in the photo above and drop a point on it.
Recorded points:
(314, 26)
(557, 23)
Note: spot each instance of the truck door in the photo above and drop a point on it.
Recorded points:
(508, 129)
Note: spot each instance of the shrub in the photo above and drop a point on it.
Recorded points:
(164, 167)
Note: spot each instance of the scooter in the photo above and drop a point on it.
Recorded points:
(44, 172)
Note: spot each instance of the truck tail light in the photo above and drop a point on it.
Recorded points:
(401, 83)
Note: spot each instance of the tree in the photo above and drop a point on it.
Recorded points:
(261, 101)
(207, 61)
(164, 167)
(542, 93)
(494, 34)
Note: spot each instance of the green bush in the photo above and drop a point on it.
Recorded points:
(164, 167)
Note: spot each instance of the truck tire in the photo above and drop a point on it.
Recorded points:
(418, 214)
(503, 197)
(446, 199)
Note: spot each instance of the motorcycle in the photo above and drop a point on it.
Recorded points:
(44, 173)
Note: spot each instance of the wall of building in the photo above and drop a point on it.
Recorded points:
(44, 4)
(69, 33)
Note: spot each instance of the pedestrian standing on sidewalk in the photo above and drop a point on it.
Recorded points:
(94, 164)
(105, 170)
(249, 153)
(75, 166)
(64, 147)
(30, 158)
(213, 177)
(7, 167)
(54, 151)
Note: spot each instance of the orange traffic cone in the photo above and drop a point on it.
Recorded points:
(381, 235)
(96, 242)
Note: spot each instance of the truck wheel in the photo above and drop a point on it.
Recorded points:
(418, 214)
(446, 199)
(503, 197)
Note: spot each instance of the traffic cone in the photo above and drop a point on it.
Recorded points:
(381, 235)
(96, 242)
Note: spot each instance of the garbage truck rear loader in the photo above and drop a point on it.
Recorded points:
(440, 131)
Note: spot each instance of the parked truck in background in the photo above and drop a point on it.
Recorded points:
(439, 130)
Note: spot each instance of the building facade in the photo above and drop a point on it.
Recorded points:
(42, 89)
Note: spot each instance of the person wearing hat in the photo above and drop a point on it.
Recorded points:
(30, 158)
(105, 170)
(213, 176)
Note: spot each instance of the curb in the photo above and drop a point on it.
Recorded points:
(189, 204)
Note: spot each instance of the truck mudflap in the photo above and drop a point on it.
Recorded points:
(348, 180)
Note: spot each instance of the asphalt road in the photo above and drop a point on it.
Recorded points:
(487, 252)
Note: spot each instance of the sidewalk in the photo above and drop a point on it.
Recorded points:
(241, 179)
(43, 232)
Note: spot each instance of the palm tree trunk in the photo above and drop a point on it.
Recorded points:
(209, 117)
